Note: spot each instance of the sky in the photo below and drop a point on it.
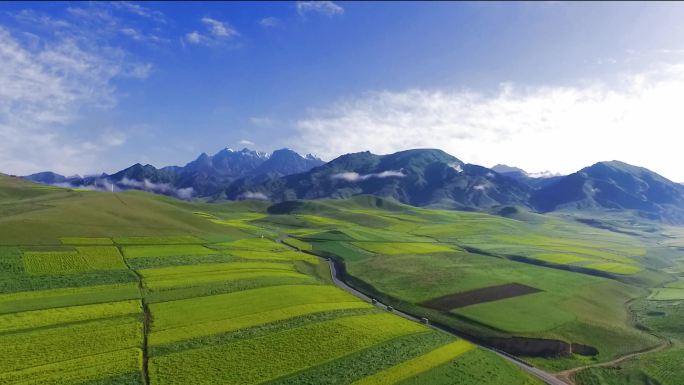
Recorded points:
(95, 87)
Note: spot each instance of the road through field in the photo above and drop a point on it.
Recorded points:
(540, 374)
(547, 378)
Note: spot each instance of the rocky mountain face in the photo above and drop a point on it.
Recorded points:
(205, 176)
(419, 177)
(615, 186)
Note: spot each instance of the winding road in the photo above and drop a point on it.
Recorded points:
(562, 378)
(547, 378)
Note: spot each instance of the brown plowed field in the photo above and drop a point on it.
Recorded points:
(485, 294)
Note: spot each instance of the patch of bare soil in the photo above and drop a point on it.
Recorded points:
(485, 294)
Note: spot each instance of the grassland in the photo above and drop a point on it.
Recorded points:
(83, 258)
(55, 316)
(418, 365)
(408, 256)
(392, 248)
(165, 250)
(114, 289)
(86, 241)
(199, 292)
(299, 348)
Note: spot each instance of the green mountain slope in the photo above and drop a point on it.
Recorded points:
(615, 186)
(421, 177)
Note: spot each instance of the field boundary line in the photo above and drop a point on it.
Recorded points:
(147, 319)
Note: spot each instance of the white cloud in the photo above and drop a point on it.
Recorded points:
(113, 138)
(261, 121)
(327, 8)
(147, 185)
(253, 195)
(356, 177)
(561, 128)
(47, 87)
(139, 10)
(216, 33)
(457, 167)
(270, 22)
(246, 142)
(185, 193)
(219, 28)
(132, 33)
(195, 37)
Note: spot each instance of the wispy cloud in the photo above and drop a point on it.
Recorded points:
(195, 37)
(147, 185)
(561, 128)
(356, 177)
(246, 142)
(48, 84)
(327, 8)
(270, 22)
(216, 32)
(219, 29)
(261, 121)
(254, 196)
(139, 10)
(100, 20)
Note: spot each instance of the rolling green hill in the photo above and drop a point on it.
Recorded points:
(132, 288)
(568, 285)
(162, 290)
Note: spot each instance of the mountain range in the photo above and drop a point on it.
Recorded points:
(206, 176)
(419, 177)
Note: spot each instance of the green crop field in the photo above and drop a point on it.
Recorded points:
(54, 316)
(299, 348)
(474, 367)
(131, 288)
(165, 250)
(396, 248)
(119, 367)
(84, 258)
(667, 294)
(162, 240)
(86, 241)
(298, 244)
(411, 368)
(617, 268)
(72, 296)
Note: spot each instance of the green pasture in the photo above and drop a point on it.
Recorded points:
(298, 349)
(228, 304)
(667, 294)
(45, 346)
(68, 314)
(475, 367)
(413, 367)
(165, 250)
(98, 369)
(396, 248)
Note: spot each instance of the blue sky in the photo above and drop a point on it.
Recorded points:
(91, 87)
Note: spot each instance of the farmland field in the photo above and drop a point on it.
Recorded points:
(169, 293)
(195, 296)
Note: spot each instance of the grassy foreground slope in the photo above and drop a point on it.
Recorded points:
(131, 288)
(578, 280)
